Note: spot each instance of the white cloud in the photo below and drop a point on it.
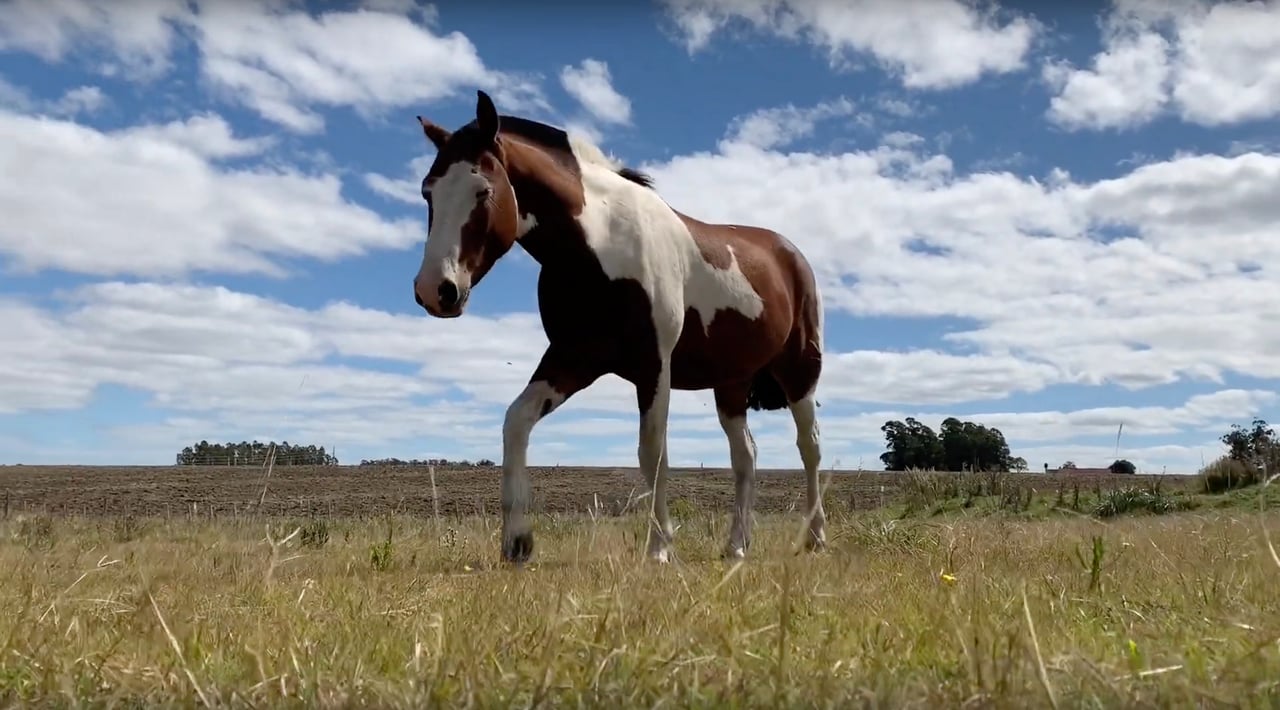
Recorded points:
(80, 99)
(1126, 87)
(153, 200)
(285, 63)
(230, 364)
(280, 61)
(137, 35)
(929, 44)
(1229, 64)
(929, 376)
(901, 139)
(207, 135)
(14, 97)
(227, 361)
(1209, 63)
(407, 189)
(1213, 413)
(781, 126)
(591, 85)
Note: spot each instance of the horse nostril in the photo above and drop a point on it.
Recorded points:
(448, 293)
(417, 299)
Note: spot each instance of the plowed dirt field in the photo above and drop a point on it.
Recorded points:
(374, 490)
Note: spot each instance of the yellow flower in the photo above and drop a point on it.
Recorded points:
(947, 577)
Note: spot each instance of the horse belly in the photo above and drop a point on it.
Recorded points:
(733, 348)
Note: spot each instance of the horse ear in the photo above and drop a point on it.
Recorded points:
(436, 134)
(486, 116)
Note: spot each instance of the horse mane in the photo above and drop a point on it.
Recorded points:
(639, 178)
(559, 140)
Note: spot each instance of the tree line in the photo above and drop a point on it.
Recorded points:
(911, 444)
(442, 463)
(957, 446)
(254, 453)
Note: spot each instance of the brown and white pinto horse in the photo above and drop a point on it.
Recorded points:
(628, 286)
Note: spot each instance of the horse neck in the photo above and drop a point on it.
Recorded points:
(546, 188)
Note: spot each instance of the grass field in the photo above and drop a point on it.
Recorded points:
(940, 591)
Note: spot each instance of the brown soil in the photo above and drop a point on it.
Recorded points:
(374, 490)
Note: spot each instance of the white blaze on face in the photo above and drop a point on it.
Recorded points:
(454, 197)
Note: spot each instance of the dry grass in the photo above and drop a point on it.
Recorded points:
(990, 611)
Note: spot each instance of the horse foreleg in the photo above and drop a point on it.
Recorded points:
(553, 382)
(653, 458)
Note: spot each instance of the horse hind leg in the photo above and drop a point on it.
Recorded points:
(731, 407)
(808, 441)
(793, 380)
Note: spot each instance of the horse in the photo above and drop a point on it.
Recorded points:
(627, 286)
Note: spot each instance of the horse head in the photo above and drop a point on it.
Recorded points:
(472, 216)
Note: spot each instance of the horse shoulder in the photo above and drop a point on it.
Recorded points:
(636, 236)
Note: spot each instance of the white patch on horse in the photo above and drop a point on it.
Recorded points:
(454, 196)
(522, 414)
(636, 235)
(710, 289)
(526, 223)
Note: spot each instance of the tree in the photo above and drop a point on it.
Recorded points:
(1122, 466)
(1253, 444)
(960, 446)
(912, 444)
(254, 453)
(973, 447)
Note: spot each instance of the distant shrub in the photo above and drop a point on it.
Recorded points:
(380, 555)
(1137, 500)
(682, 509)
(36, 532)
(126, 528)
(1253, 454)
(1227, 474)
(315, 533)
(1123, 466)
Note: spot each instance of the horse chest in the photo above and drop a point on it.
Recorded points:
(579, 306)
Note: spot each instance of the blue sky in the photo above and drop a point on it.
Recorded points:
(1049, 218)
